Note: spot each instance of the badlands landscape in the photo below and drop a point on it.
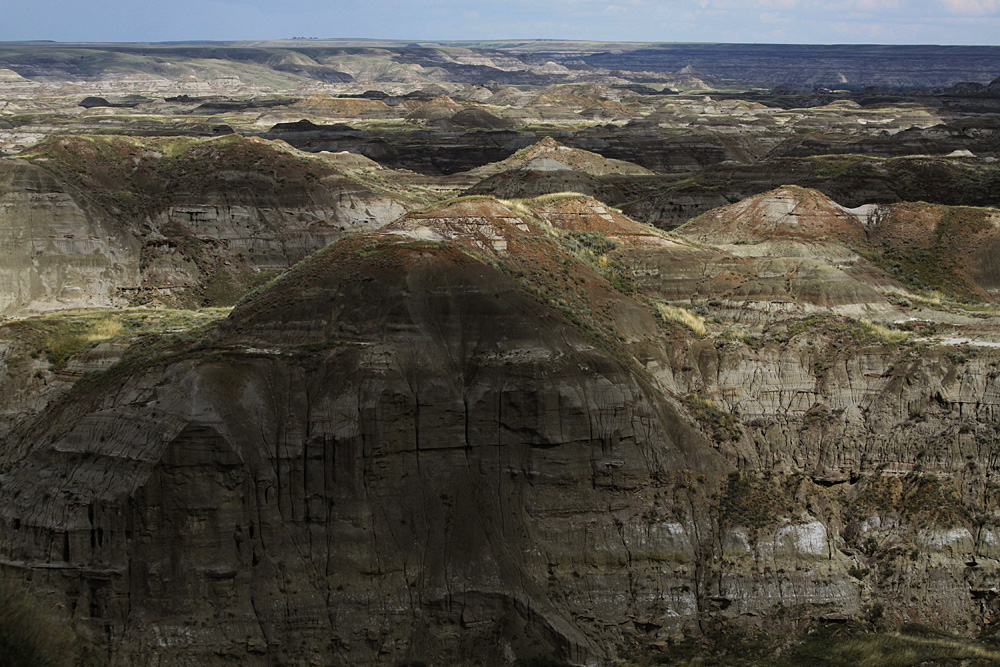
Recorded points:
(537, 353)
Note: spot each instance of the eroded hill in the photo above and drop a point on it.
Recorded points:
(487, 417)
(479, 425)
(100, 221)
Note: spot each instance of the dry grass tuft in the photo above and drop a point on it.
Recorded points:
(885, 334)
(103, 329)
(693, 321)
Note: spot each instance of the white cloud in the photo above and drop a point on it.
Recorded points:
(972, 7)
(749, 4)
(773, 17)
(872, 5)
(878, 32)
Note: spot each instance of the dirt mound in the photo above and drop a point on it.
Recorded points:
(575, 158)
(529, 181)
(440, 108)
(481, 119)
(951, 249)
(480, 222)
(577, 213)
(390, 401)
(788, 212)
(346, 107)
(199, 219)
(926, 247)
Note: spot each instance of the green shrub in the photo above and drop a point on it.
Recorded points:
(753, 502)
(722, 425)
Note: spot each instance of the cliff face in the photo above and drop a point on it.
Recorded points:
(469, 438)
(428, 511)
(891, 451)
(107, 221)
(57, 249)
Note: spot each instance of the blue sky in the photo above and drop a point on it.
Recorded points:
(787, 21)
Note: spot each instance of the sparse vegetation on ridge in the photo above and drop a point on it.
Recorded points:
(693, 321)
(58, 336)
(721, 425)
(436, 206)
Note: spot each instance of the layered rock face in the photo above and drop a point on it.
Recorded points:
(468, 439)
(951, 249)
(400, 468)
(99, 222)
(889, 451)
(58, 251)
(851, 180)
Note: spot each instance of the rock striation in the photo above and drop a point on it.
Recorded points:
(99, 222)
(424, 512)
(472, 437)
(58, 249)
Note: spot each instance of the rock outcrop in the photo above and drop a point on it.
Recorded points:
(99, 222)
(428, 512)
(58, 249)
(947, 248)
(468, 439)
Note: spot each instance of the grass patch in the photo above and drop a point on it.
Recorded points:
(693, 321)
(883, 334)
(518, 206)
(848, 331)
(592, 249)
(751, 339)
(722, 426)
(60, 336)
(832, 167)
(546, 198)
(68, 337)
(222, 289)
(886, 650)
(936, 300)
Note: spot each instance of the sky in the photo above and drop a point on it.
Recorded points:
(771, 21)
